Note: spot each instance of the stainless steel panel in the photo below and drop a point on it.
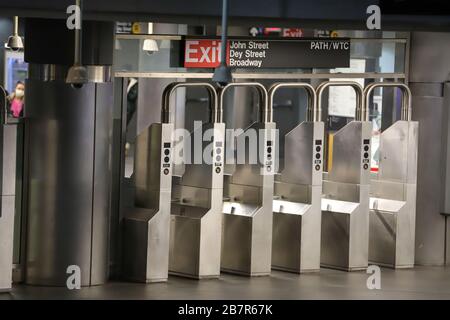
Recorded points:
(348, 153)
(247, 238)
(382, 237)
(147, 167)
(64, 198)
(445, 197)
(387, 190)
(335, 243)
(237, 238)
(9, 151)
(196, 214)
(7, 206)
(429, 59)
(429, 71)
(345, 206)
(296, 225)
(300, 152)
(406, 230)
(430, 232)
(6, 242)
(393, 206)
(398, 152)
(146, 229)
(392, 230)
(101, 183)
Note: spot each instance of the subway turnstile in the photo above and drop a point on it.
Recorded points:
(147, 225)
(247, 225)
(393, 188)
(196, 213)
(298, 192)
(345, 201)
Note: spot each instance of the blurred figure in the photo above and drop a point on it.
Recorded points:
(132, 94)
(17, 100)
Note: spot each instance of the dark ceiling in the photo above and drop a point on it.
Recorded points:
(333, 14)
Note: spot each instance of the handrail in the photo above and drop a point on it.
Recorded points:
(313, 111)
(265, 110)
(361, 114)
(406, 96)
(171, 88)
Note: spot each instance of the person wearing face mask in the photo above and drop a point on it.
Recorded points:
(17, 99)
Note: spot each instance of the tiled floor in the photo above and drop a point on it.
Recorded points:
(417, 283)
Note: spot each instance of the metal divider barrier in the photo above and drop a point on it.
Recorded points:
(196, 211)
(393, 188)
(345, 202)
(8, 134)
(298, 191)
(247, 225)
(147, 225)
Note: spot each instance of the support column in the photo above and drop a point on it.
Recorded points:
(68, 136)
(429, 72)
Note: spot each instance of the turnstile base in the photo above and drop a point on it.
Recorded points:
(145, 280)
(392, 266)
(194, 276)
(343, 268)
(247, 274)
(298, 271)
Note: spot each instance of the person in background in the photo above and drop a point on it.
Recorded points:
(132, 93)
(17, 100)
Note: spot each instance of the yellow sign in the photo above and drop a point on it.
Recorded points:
(334, 34)
(136, 28)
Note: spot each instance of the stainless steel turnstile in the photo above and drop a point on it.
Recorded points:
(8, 189)
(298, 192)
(196, 213)
(393, 188)
(345, 202)
(147, 225)
(247, 225)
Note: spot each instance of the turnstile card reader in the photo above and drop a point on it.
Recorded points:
(147, 225)
(196, 213)
(298, 191)
(345, 201)
(393, 188)
(247, 224)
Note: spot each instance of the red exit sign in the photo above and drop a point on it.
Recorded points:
(293, 33)
(202, 53)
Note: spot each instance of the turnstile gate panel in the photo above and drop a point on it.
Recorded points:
(393, 189)
(298, 192)
(247, 225)
(147, 225)
(345, 201)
